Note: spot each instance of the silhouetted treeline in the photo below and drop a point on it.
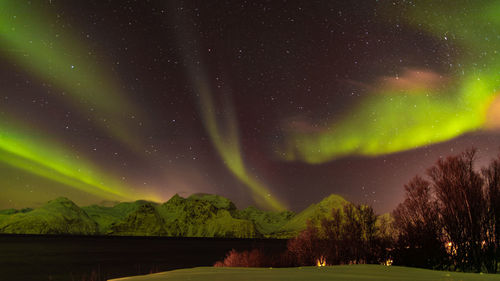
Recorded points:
(350, 236)
(451, 218)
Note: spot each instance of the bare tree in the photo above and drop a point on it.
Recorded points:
(419, 233)
(332, 230)
(491, 175)
(461, 207)
(307, 247)
(348, 236)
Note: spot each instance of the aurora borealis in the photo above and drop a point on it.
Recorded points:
(45, 50)
(270, 103)
(406, 112)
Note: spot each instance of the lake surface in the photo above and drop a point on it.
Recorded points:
(96, 258)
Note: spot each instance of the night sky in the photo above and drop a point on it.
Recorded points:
(269, 103)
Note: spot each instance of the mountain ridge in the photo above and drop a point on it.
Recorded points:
(199, 215)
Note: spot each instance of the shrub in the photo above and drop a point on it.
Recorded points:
(253, 258)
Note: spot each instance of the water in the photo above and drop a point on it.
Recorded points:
(96, 258)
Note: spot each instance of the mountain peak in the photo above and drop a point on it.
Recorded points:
(200, 215)
(60, 202)
(216, 200)
(61, 199)
(332, 200)
(313, 213)
(175, 200)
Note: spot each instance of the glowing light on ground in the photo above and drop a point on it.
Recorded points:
(321, 261)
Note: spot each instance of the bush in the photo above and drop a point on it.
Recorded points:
(256, 258)
(253, 258)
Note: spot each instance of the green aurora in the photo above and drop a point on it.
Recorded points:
(219, 120)
(225, 138)
(397, 119)
(391, 119)
(38, 156)
(55, 55)
(45, 50)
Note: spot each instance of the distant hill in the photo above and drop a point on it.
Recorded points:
(106, 216)
(315, 212)
(143, 221)
(205, 216)
(59, 216)
(266, 222)
(14, 211)
(199, 215)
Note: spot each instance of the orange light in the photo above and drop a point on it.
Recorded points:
(321, 261)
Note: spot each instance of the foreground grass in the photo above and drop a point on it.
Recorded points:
(337, 273)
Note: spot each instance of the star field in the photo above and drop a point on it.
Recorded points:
(273, 103)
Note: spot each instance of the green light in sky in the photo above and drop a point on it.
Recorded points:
(220, 121)
(225, 138)
(31, 153)
(410, 112)
(43, 45)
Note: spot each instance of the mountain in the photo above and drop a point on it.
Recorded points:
(143, 221)
(205, 216)
(314, 213)
(218, 201)
(14, 211)
(106, 216)
(59, 216)
(266, 222)
(199, 215)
